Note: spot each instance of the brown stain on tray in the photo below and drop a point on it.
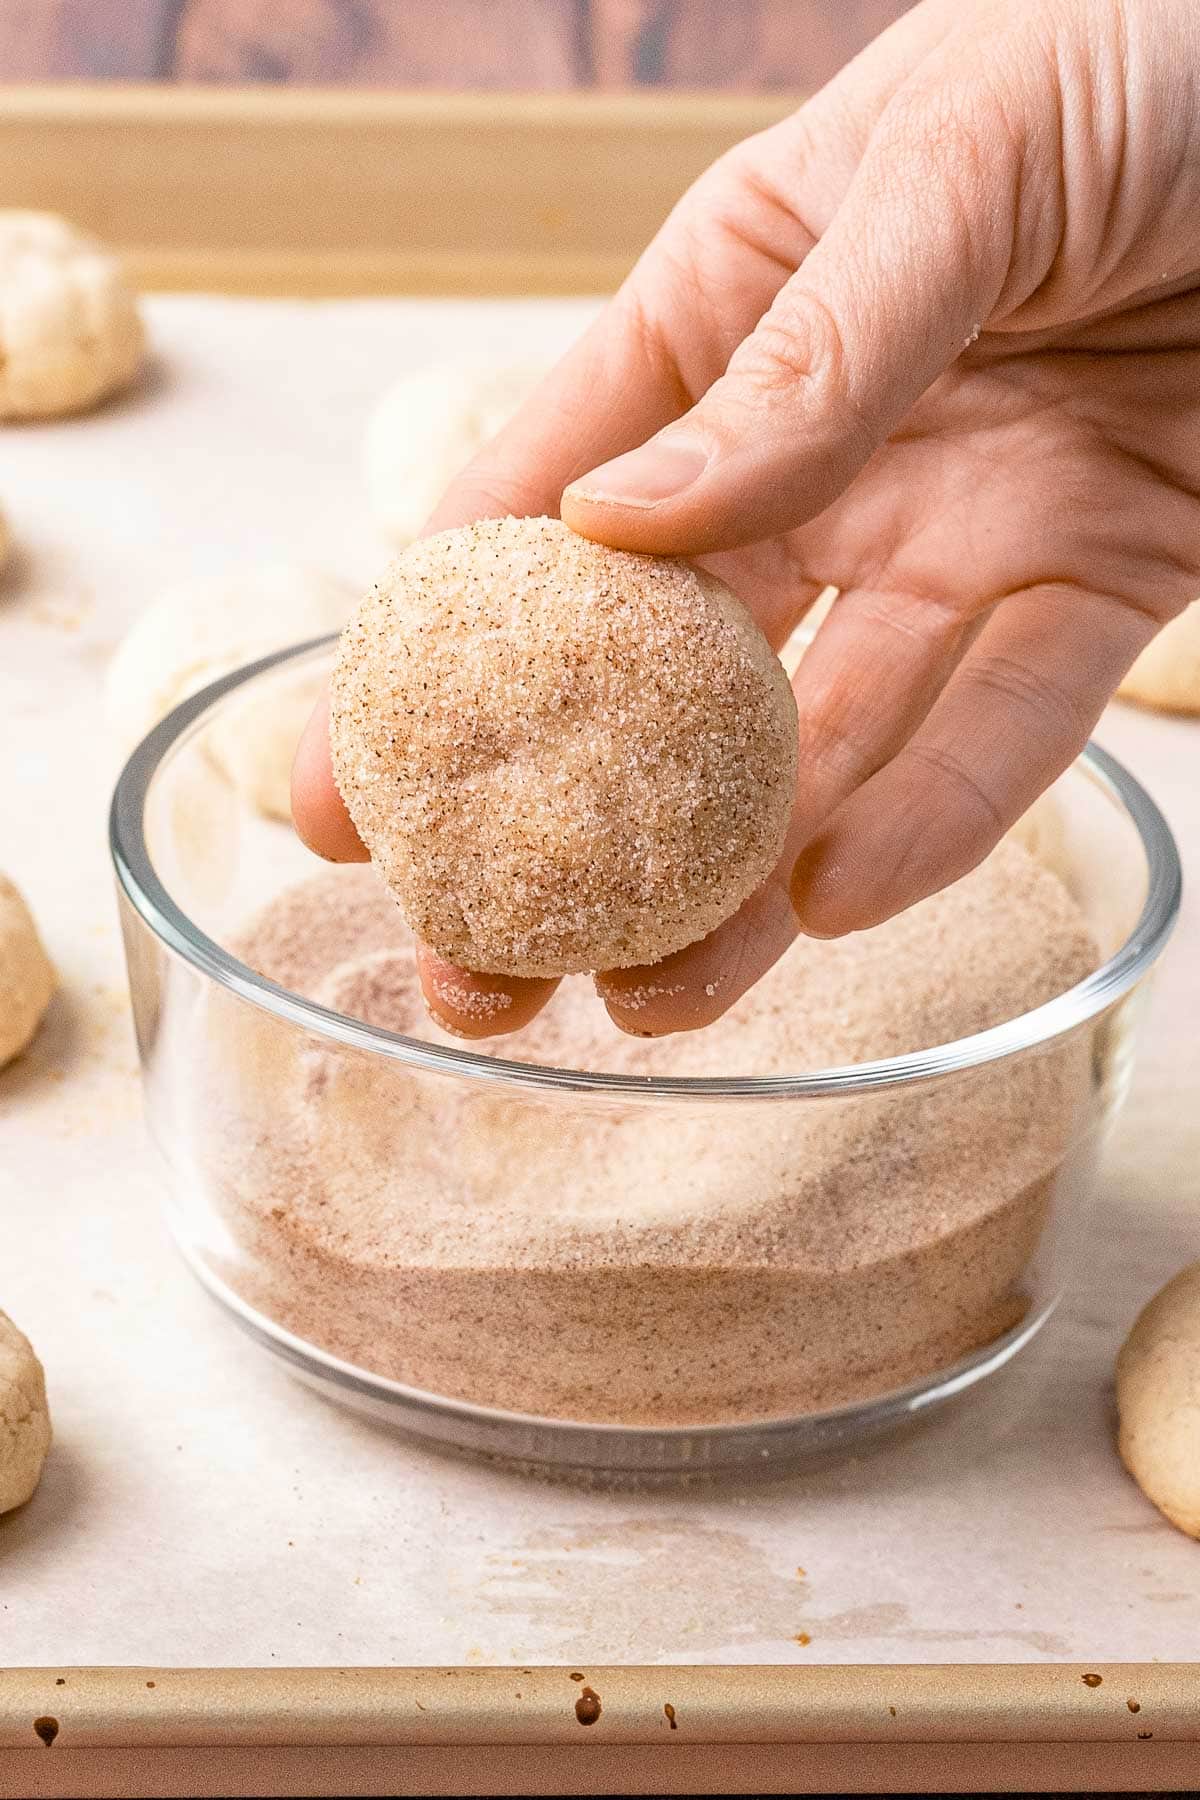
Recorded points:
(587, 1707)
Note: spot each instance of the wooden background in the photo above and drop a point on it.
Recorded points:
(731, 45)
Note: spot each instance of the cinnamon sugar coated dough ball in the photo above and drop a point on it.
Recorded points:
(561, 757)
(27, 979)
(1167, 673)
(24, 1417)
(1158, 1399)
(428, 426)
(70, 332)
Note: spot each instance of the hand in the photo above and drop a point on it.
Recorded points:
(934, 340)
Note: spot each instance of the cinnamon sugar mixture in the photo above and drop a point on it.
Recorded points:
(642, 1261)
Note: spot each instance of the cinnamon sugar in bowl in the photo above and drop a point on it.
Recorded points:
(855, 1197)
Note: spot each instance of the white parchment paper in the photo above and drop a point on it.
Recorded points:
(201, 1508)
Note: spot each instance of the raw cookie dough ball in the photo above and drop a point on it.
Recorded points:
(255, 743)
(70, 333)
(1167, 673)
(1158, 1399)
(427, 427)
(24, 1418)
(27, 980)
(561, 757)
(198, 632)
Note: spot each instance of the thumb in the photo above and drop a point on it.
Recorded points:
(911, 266)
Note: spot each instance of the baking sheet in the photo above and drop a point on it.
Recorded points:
(200, 1507)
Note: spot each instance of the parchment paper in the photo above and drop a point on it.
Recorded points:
(199, 1506)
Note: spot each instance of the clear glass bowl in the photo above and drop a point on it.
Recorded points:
(401, 1220)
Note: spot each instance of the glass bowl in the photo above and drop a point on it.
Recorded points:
(620, 1273)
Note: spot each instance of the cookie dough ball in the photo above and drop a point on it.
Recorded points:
(201, 631)
(1158, 1399)
(24, 1417)
(561, 757)
(70, 333)
(255, 740)
(1167, 673)
(427, 427)
(27, 979)
(5, 541)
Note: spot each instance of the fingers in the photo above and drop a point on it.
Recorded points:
(1015, 715)
(986, 719)
(911, 266)
(478, 1006)
(695, 986)
(318, 810)
(863, 687)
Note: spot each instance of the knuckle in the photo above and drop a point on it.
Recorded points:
(1036, 699)
(945, 770)
(928, 621)
(930, 122)
(716, 195)
(950, 158)
(796, 356)
(797, 339)
(722, 187)
(831, 750)
(638, 328)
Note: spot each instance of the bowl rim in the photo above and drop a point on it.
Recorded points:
(154, 905)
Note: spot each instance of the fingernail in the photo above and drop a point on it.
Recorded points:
(804, 871)
(652, 473)
(449, 1026)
